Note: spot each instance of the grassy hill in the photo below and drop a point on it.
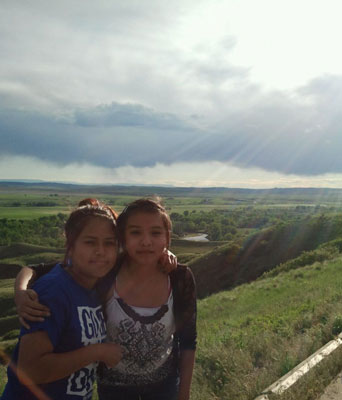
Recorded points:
(25, 254)
(187, 250)
(255, 333)
(235, 263)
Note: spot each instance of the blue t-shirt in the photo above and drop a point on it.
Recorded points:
(76, 320)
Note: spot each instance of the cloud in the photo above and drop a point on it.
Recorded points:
(107, 136)
(132, 115)
(115, 84)
(275, 132)
(66, 55)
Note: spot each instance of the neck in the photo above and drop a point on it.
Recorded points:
(143, 285)
(139, 270)
(87, 283)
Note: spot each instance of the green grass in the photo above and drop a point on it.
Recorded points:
(8, 317)
(24, 249)
(34, 259)
(30, 212)
(25, 212)
(180, 246)
(26, 254)
(252, 335)
(3, 378)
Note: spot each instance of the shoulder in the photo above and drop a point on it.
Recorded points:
(183, 282)
(182, 273)
(184, 299)
(52, 284)
(53, 276)
(104, 285)
(53, 291)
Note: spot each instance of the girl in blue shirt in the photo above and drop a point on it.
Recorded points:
(56, 358)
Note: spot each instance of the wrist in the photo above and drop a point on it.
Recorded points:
(17, 294)
(96, 352)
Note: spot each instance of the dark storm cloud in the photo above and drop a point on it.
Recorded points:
(299, 134)
(105, 136)
(127, 115)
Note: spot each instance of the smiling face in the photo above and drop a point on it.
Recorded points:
(94, 252)
(145, 237)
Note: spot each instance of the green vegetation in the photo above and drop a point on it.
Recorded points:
(26, 254)
(42, 231)
(188, 250)
(269, 279)
(8, 318)
(242, 261)
(252, 335)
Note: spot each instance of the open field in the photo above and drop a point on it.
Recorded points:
(36, 211)
(30, 212)
(29, 201)
(187, 250)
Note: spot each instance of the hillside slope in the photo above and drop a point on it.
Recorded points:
(250, 336)
(19, 254)
(233, 264)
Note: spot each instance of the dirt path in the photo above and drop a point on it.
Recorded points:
(334, 390)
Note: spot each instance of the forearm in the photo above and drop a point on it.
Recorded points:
(23, 278)
(26, 300)
(51, 366)
(186, 367)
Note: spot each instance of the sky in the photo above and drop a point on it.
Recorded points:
(230, 93)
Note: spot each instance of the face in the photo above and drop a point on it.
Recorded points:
(145, 238)
(94, 252)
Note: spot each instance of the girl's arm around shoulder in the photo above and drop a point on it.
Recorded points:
(183, 273)
(26, 300)
(30, 274)
(38, 364)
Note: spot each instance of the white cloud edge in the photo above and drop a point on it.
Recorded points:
(207, 174)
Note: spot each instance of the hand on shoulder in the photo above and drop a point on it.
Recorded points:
(29, 308)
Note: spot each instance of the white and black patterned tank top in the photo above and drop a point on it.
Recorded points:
(146, 336)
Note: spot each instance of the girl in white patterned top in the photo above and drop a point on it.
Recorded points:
(150, 314)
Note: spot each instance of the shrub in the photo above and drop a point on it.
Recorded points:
(337, 325)
(13, 334)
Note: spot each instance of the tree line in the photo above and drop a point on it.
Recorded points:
(46, 231)
(219, 225)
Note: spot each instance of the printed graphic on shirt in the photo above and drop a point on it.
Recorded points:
(93, 330)
(146, 352)
(144, 347)
(92, 325)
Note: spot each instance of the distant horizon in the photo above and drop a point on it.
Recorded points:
(38, 181)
